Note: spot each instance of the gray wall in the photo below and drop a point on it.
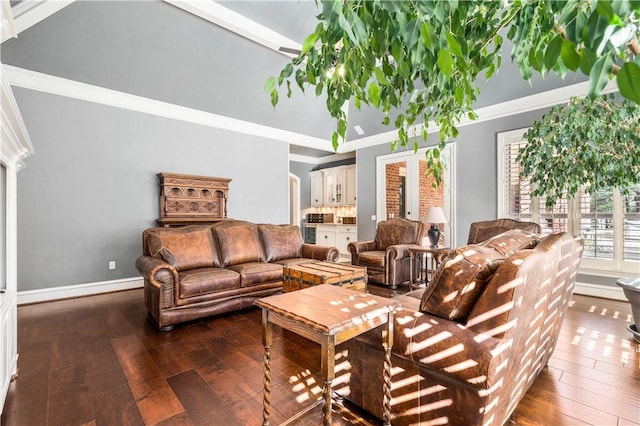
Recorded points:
(302, 171)
(476, 174)
(91, 187)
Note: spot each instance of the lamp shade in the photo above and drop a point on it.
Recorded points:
(434, 214)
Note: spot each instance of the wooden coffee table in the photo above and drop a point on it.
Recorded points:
(327, 315)
(312, 273)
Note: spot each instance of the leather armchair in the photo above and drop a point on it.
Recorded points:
(387, 256)
(482, 231)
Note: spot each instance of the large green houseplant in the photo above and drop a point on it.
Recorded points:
(418, 62)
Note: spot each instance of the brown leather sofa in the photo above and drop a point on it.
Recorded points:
(468, 347)
(202, 270)
(387, 256)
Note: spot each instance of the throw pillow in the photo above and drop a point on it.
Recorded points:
(463, 276)
(459, 281)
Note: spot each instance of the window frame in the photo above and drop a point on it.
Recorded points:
(614, 267)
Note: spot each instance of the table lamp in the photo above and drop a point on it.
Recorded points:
(434, 215)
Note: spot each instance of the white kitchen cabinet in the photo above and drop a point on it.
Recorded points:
(334, 180)
(345, 235)
(335, 186)
(338, 236)
(317, 188)
(326, 235)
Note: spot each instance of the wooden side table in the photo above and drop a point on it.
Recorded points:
(420, 270)
(327, 315)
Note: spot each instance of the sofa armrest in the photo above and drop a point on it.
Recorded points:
(439, 344)
(398, 251)
(157, 272)
(361, 246)
(326, 253)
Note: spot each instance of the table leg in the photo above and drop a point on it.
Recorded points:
(267, 340)
(411, 270)
(328, 347)
(387, 344)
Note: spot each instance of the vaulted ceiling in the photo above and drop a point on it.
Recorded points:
(207, 57)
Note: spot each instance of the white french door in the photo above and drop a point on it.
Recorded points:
(403, 190)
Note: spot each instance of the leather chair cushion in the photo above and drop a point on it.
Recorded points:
(372, 258)
(280, 241)
(239, 244)
(461, 278)
(258, 272)
(183, 251)
(396, 231)
(196, 282)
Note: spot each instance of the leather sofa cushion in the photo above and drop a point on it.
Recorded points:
(185, 250)
(280, 241)
(258, 272)
(196, 282)
(462, 277)
(239, 244)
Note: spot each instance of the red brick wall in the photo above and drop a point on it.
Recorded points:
(392, 190)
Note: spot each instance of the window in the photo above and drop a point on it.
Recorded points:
(608, 221)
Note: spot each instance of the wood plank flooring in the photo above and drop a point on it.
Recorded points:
(98, 361)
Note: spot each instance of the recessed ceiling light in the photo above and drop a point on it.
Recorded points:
(358, 130)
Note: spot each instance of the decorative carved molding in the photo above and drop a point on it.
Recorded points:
(187, 199)
(16, 144)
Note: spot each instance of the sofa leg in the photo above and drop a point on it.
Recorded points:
(155, 323)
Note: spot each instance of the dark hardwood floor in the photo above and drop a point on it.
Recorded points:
(98, 361)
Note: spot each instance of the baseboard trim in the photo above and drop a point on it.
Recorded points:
(79, 290)
(65, 292)
(604, 291)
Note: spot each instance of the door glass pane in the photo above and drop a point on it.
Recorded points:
(631, 245)
(396, 185)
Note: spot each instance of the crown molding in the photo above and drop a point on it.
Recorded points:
(14, 139)
(33, 80)
(521, 105)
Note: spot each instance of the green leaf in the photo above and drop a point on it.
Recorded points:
(342, 128)
(569, 55)
(382, 79)
(587, 59)
(628, 80)
(428, 35)
(347, 28)
(599, 75)
(270, 84)
(274, 97)
(605, 9)
(412, 33)
(553, 52)
(454, 45)
(374, 93)
(309, 42)
(445, 62)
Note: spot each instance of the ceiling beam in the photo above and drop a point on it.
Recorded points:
(28, 13)
(238, 24)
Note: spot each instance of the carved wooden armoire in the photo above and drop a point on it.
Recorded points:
(188, 200)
